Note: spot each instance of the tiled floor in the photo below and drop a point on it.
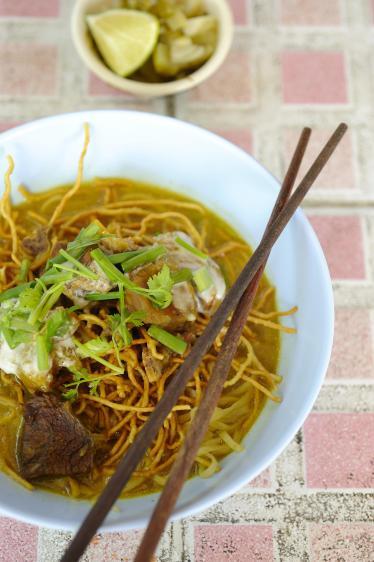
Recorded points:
(293, 63)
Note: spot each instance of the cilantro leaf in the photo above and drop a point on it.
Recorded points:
(71, 394)
(30, 297)
(160, 287)
(87, 237)
(97, 346)
(136, 318)
(94, 349)
(83, 377)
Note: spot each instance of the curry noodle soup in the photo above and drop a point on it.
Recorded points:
(105, 287)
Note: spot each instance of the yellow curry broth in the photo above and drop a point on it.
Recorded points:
(216, 233)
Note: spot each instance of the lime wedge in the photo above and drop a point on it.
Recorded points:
(125, 38)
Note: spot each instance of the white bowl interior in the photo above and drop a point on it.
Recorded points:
(189, 160)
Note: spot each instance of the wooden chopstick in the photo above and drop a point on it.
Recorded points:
(176, 386)
(200, 423)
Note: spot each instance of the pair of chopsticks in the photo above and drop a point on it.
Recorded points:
(239, 298)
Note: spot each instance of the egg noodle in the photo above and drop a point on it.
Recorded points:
(121, 405)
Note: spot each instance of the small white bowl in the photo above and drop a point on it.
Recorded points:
(193, 161)
(84, 45)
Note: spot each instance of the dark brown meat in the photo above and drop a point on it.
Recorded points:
(37, 243)
(53, 442)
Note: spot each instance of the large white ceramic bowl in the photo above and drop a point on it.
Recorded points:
(193, 161)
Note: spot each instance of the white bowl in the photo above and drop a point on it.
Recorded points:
(89, 55)
(202, 165)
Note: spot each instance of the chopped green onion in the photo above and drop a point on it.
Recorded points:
(75, 271)
(124, 331)
(19, 324)
(159, 286)
(146, 256)
(122, 309)
(124, 256)
(114, 295)
(82, 268)
(14, 292)
(126, 335)
(107, 267)
(190, 248)
(87, 237)
(169, 340)
(57, 325)
(24, 269)
(86, 352)
(52, 277)
(42, 353)
(51, 301)
(181, 276)
(202, 278)
(47, 301)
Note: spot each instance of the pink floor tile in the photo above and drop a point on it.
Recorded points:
(119, 547)
(28, 69)
(341, 238)
(239, 9)
(352, 332)
(240, 137)
(4, 126)
(30, 8)
(18, 541)
(339, 450)
(231, 83)
(233, 543)
(97, 87)
(345, 542)
(310, 12)
(314, 77)
(263, 480)
(339, 172)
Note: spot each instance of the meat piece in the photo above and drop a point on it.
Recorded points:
(182, 310)
(36, 244)
(116, 245)
(53, 442)
(79, 287)
(178, 258)
(187, 300)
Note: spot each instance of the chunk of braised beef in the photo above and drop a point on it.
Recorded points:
(53, 442)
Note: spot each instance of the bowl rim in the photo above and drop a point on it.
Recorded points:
(144, 89)
(296, 422)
